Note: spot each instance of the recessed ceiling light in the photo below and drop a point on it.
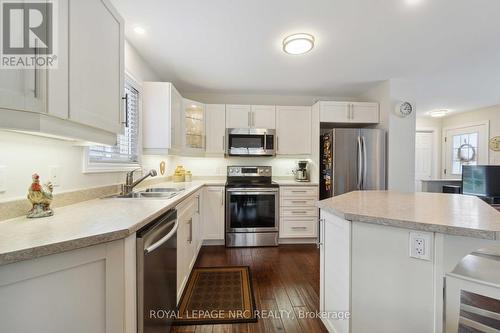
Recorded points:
(298, 43)
(139, 30)
(438, 113)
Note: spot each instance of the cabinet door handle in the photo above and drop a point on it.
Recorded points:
(277, 144)
(125, 98)
(249, 120)
(198, 207)
(190, 236)
(253, 119)
(35, 72)
(222, 197)
(352, 111)
(320, 242)
(223, 143)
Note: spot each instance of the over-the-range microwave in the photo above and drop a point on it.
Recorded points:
(250, 142)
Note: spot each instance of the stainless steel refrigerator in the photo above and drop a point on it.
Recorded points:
(352, 159)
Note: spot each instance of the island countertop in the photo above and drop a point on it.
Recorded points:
(452, 214)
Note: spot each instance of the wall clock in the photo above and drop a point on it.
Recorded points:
(495, 143)
(404, 109)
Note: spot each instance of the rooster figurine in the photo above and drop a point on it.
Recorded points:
(40, 198)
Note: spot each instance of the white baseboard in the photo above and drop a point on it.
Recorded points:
(212, 242)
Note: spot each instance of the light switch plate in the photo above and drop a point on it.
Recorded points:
(54, 174)
(421, 245)
(3, 179)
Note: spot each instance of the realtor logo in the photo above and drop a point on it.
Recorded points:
(28, 29)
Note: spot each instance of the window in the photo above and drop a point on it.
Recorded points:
(125, 155)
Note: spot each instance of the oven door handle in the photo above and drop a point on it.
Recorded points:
(243, 191)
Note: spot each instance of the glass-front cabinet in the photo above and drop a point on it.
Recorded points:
(194, 127)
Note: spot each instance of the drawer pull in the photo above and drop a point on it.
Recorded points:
(298, 201)
(299, 228)
(296, 191)
(299, 212)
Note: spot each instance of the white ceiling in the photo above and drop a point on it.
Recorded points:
(450, 48)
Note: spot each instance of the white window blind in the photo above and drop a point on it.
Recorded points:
(126, 151)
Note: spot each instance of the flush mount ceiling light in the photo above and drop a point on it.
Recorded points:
(438, 113)
(298, 43)
(139, 30)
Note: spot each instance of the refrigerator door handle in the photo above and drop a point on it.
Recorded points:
(360, 163)
(363, 181)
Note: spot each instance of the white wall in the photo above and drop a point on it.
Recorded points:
(400, 132)
(23, 154)
(491, 114)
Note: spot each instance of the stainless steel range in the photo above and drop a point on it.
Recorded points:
(252, 207)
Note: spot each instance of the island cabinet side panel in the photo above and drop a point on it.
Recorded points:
(391, 292)
(335, 272)
(79, 291)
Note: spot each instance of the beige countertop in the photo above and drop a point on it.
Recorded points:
(453, 214)
(292, 182)
(85, 223)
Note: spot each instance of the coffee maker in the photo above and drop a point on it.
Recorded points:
(301, 173)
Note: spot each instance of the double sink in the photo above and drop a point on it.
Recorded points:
(151, 193)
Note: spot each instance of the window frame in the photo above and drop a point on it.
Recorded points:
(105, 167)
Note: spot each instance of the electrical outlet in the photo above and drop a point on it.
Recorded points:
(421, 245)
(3, 179)
(54, 172)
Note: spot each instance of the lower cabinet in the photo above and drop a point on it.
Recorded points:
(78, 291)
(298, 213)
(188, 239)
(213, 212)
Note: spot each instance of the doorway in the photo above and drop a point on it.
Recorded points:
(464, 145)
(423, 157)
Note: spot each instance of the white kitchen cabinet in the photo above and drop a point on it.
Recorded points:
(81, 99)
(213, 213)
(238, 116)
(335, 270)
(188, 241)
(298, 213)
(96, 67)
(193, 127)
(215, 115)
(349, 112)
(162, 109)
(79, 291)
(250, 116)
(263, 116)
(293, 130)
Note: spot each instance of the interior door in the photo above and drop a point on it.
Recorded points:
(467, 145)
(423, 158)
(345, 160)
(373, 157)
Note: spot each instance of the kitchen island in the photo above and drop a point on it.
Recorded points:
(385, 255)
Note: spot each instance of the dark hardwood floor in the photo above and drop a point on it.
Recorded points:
(284, 278)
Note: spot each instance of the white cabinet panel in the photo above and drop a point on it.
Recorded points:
(365, 113)
(293, 127)
(216, 128)
(335, 269)
(96, 68)
(83, 290)
(334, 112)
(12, 89)
(161, 117)
(213, 212)
(349, 112)
(263, 116)
(238, 116)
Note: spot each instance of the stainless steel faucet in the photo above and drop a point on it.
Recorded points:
(129, 180)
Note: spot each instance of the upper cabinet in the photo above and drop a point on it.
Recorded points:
(162, 108)
(193, 119)
(263, 116)
(293, 130)
(96, 67)
(349, 112)
(215, 126)
(251, 116)
(82, 98)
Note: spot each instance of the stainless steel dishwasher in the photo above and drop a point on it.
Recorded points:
(157, 274)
